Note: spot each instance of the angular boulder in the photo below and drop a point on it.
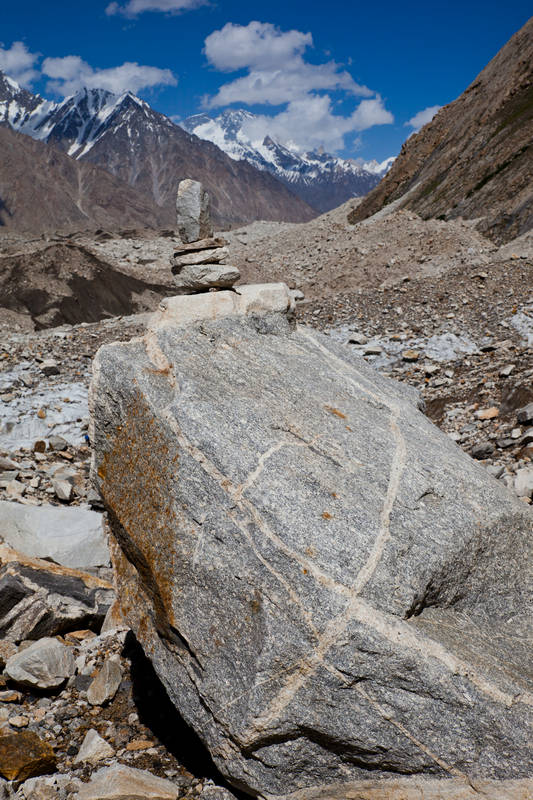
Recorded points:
(332, 592)
(192, 210)
(74, 537)
(38, 598)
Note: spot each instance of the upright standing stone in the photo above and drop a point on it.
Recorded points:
(192, 208)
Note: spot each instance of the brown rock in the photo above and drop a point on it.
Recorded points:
(487, 413)
(410, 355)
(24, 755)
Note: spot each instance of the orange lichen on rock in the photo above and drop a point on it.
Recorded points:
(137, 475)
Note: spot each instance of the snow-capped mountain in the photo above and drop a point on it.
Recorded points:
(323, 180)
(125, 136)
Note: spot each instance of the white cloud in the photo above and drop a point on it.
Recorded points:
(422, 118)
(135, 7)
(18, 63)
(277, 74)
(308, 123)
(71, 73)
(258, 44)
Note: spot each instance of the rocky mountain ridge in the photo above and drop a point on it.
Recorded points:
(475, 158)
(43, 189)
(146, 150)
(323, 180)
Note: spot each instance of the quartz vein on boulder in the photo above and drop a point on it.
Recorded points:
(325, 583)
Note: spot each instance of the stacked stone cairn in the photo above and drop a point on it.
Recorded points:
(199, 264)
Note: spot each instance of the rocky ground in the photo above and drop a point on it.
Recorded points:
(431, 303)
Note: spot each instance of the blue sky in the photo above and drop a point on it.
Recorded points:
(348, 75)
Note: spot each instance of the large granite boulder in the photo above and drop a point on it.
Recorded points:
(334, 594)
(193, 211)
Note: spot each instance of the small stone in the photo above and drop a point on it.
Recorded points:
(201, 244)
(215, 256)
(523, 482)
(49, 367)
(10, 696)
(506, 371)
(39, 446)
(15, 489)
(57, 443)
(139, 744)
(358, 338)
(24, 755)
(41, 413)
(93, 748)
(410, 355)
(525, 415)
(46, 664)
(487, 413)
(373, 350)
(8, 463)
(516, 433)
(106, 683)
(431, 369)
(19, 721)
(123, 783)
(482, 450)
(63, 490)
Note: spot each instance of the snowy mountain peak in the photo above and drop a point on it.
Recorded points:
(321, 179)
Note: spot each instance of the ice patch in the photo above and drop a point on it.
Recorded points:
(66, 413)
(522, 322)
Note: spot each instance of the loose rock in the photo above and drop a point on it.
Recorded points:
(43, 665)
(125, 783)
(105, 685)
(93, 749)
(24, 755)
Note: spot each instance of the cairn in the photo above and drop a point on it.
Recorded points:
(199, 264)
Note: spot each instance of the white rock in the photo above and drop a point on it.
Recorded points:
(106, 683)
(124, 783)
(93, 748)
(43, 665)
(73, 537)
(523, 482)
(63, 490)
(261, 298)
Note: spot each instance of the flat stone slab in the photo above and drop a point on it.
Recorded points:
(212, 256)
(127, 783)
(255, 299)
(202, 277)
(74, 537)
(328, 587)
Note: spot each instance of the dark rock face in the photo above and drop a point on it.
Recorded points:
(327, 586)
(475, 158)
